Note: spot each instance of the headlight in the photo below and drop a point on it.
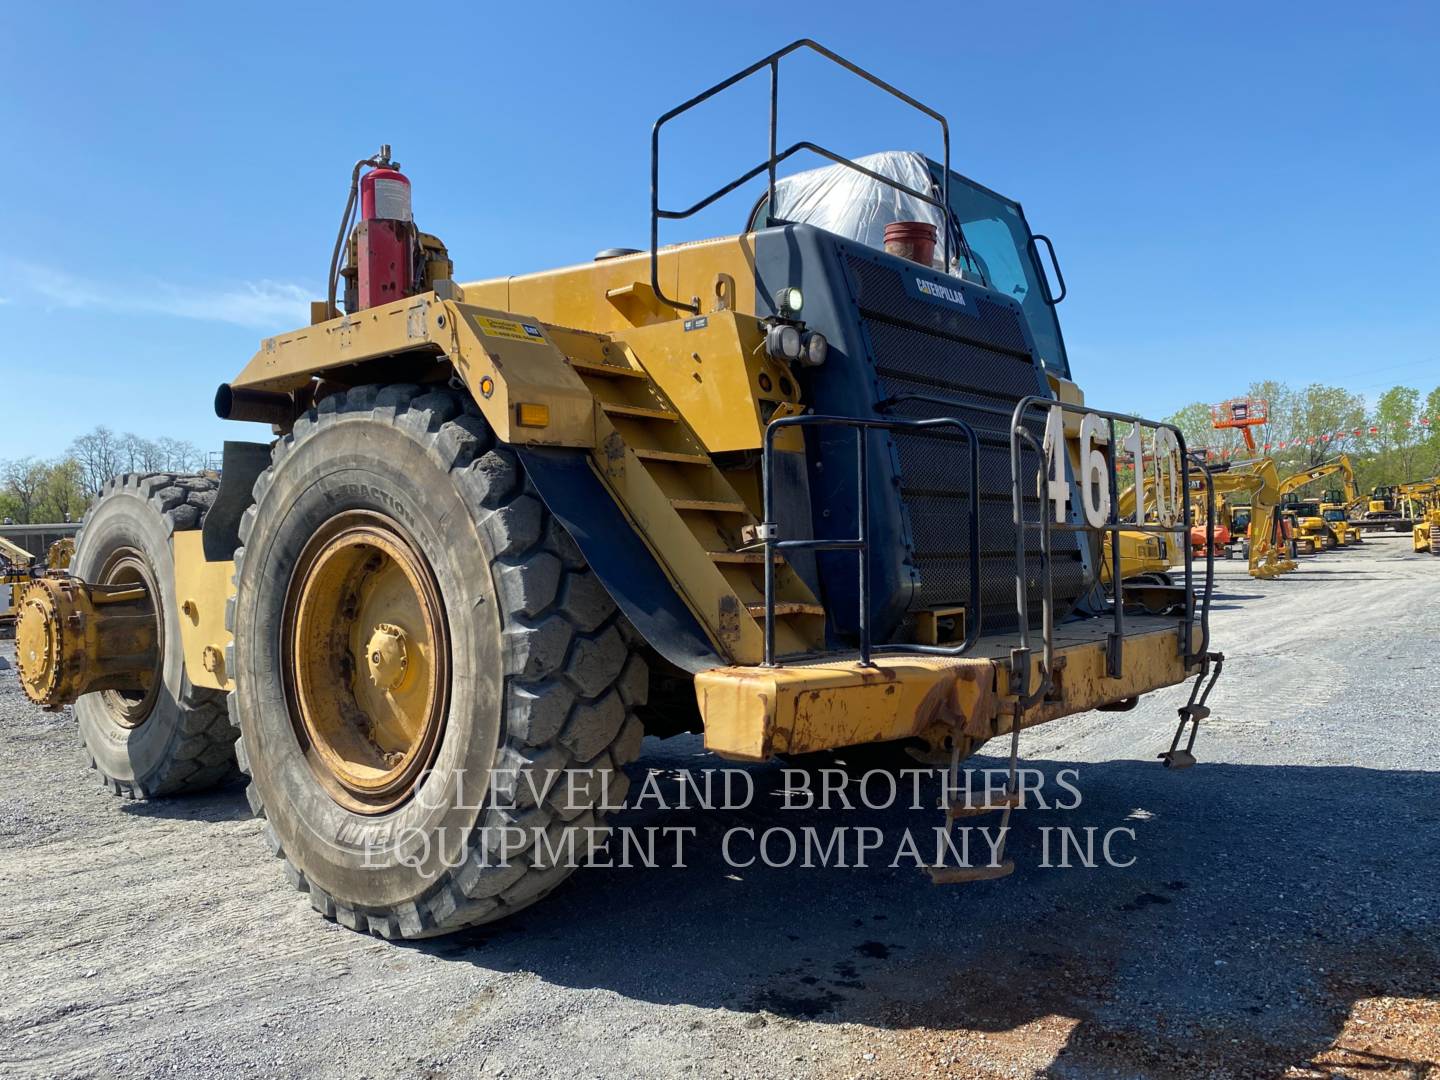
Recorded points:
(789, 301)
(815, 349)
(782, 342)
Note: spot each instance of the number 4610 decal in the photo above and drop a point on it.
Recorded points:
(1160, 469)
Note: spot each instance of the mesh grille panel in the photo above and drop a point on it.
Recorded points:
(981, 364)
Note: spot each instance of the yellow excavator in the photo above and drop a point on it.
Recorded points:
(1337, 504)
(1386, 509)
(1316, 529)
(1268, 546)
(1268, 541)
(1259, 520)
(1146, 557)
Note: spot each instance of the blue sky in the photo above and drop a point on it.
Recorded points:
(1236, 191)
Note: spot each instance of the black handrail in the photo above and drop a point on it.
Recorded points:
(1050, 297)
(1020, 659)
(769, 538)
(768, 166)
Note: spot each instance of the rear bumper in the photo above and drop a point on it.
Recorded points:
(752, 713)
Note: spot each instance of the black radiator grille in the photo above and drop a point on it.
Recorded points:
(982, 365)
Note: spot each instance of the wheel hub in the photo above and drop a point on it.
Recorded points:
(74, 638)
(367, 660)
(387, 656)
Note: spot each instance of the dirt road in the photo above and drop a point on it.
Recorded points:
(1279, 917)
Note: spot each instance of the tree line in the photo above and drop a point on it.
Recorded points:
(60, 488)
(1392, 446)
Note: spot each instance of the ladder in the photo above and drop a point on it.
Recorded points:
(698, 512)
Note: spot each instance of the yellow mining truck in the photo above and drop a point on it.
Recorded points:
(821, 484)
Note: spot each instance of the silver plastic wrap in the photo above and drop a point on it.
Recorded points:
(850, 204)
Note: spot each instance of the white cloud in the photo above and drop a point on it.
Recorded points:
(264, 305)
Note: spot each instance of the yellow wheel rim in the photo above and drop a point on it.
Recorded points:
(130, 709)
(367, 661)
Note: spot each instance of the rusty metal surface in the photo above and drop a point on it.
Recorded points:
(751, 713)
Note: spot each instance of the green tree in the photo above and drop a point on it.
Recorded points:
(1397, 415)
(1431, 464)
(23, 480)
(1329, 410)
(1194, 421)
(62, 492)
(1281, 403)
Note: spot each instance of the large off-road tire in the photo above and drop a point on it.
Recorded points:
(531, 674)
(176, 738)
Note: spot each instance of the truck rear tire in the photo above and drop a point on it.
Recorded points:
(429, 680)
(176, 737)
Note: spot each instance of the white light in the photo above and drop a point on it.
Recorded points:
(789, 342)
(790, 300)
(816, 349)
(782, 342)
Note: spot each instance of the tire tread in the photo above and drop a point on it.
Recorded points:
(204, 757)
(560, 636)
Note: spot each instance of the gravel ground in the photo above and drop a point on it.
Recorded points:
(1279, 918)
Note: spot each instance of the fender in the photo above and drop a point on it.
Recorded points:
(618, 555)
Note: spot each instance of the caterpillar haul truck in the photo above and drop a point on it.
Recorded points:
(800, 488)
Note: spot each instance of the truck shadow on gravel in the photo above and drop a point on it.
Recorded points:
(1261, 904)
(225, 803)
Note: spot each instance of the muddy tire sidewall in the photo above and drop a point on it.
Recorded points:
(135, 754)
(373, 860)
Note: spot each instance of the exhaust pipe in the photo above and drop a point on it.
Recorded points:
(260, 406)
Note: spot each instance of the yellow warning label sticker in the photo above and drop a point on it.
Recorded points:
(510, 330)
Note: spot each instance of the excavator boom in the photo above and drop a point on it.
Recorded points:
(1269, 556)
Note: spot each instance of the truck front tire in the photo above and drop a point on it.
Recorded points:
(468, 692)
